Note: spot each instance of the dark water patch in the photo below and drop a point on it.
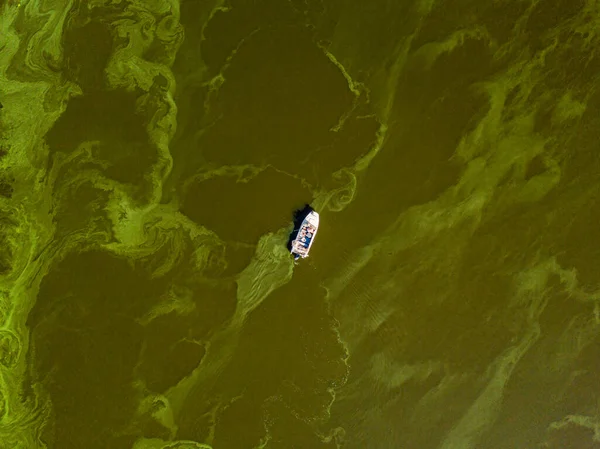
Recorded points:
(149, 426)
(578, 164)
(3, 405)
(205, 415)
(320, 16)
(240, 414)
(416, 389)
(122, 442)
(500, 19)
(228, 29)
(300, 347)
(6, 188)
(527, 407)
(353, 141)
(4, 143)
(515, 232)
(535, 167)
(576, 396)
(411, 395)
(445, 18)
(280, 98)
(77, 376)
(570, 66)
(287, 430)
(87, 342)
(87, 50)
(175, 343)
(286, 125)
(190, 96)
(237, 258)
(580, 247)
(279, 347)
(162, 50)
(387, 24)
(185, 147)
(467, 63)
(189, 62)
(214, 307)
(94, 275)
(246, 210)
(477, 328)
(431, 116)
(109, 117)
(399, 177)
(547, 15)
(169, 354)
(7, 226)
(511, 103)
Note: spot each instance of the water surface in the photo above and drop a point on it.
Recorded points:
(152, 154)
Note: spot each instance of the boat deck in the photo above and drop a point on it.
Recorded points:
(308, 229)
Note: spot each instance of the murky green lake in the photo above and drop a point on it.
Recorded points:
(152, 154)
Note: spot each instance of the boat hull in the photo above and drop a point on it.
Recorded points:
(302, 244)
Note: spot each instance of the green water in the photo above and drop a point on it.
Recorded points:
(152, 154)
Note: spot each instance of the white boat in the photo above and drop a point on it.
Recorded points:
(306, 236)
